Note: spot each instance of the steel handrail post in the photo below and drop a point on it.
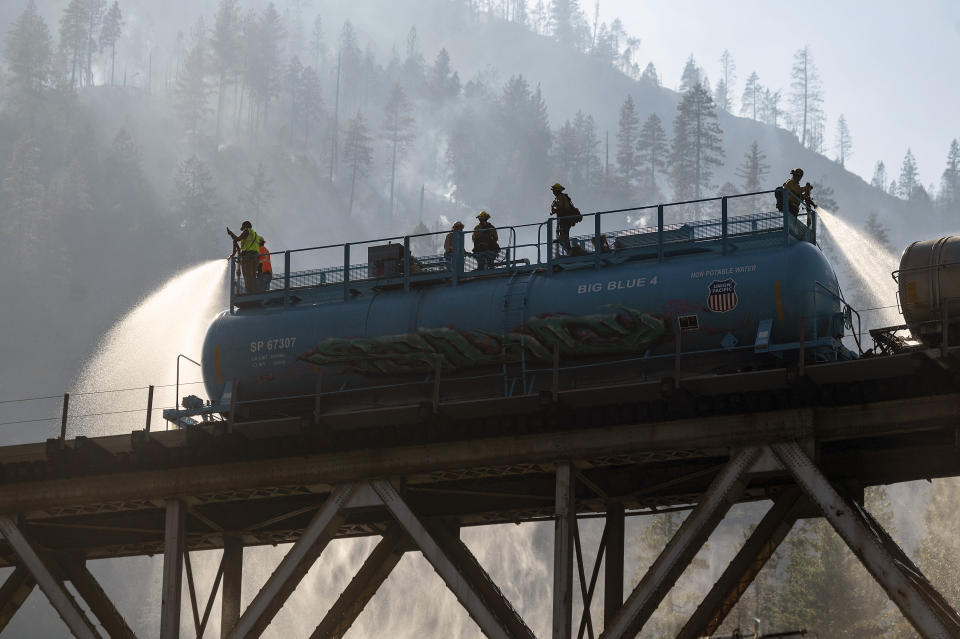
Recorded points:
(63, 417)
(660, 232)
(149, 407)
(406, 262)
(813, 225)
(786, 216)
(346, 272)
(550, 246)
(723, 224)
(596, 239)
(286, 277)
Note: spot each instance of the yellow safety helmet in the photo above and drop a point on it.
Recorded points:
(556, 187)
(457, 225)
(797, 173)
(483, 215)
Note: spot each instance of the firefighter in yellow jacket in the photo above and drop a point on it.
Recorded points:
(796, 194)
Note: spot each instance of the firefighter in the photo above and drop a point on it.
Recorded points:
(249, 242)
(795, 194)
(265, 270)
(486, 245)
(567, 215)
(448, 244)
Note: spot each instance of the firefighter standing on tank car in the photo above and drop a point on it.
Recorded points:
(486, 244)
(448, 244)
(795, 194)
(567, 215)
(249, 242)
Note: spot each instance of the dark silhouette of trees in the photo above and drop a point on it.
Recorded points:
(806, 95)
(844, 141)
(398, 130)
(697, 145)
(753, 169)
(751, 102)
(28, 51)
(110, 34)
(225, 47)
(357, 153)
(627, 163)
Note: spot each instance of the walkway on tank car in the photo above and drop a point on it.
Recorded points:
(717, 225)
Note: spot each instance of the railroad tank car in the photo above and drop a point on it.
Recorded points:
(929, 289)
(751, 297)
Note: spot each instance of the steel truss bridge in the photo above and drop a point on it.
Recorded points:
(809, 440)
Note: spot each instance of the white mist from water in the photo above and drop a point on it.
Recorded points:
(142, 348)
(871, 264)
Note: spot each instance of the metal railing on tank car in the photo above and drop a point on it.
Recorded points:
(402, 259)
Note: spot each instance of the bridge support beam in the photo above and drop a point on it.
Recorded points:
(59, 597)
(565, 518)
(294, 565)
(232, 584)
(173, 545)
(458, 568)
(613, 566)
(100, 604)
(723, 492)
(743, 569)
(918, 600)
(363, 586)
(13, 593)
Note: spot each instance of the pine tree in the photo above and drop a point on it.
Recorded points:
(728, 76)
(826, 587)
(257, 195)
(844, 143)
(225, 45)
(357, 153)
(444, 83)
(312, 103)
(807, 94)
(194, 194)
(565, 17)
(653, 149)
(876, 230)
(398, 129)
(74, 37)
(949, 199)
(770, 106)
(318, 45)
(909, 176)
(110, 34)
(294, 89)
(262, 74)
(697, 145)
(28, 51)
(193, 91)
(94, 14)
(753, 169)
(627, 164)
(586, 164)
(691, 75)
(879, 180)
(23, 196)
(752, 100)
(650, 74)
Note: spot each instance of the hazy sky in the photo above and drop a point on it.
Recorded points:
(889, 66)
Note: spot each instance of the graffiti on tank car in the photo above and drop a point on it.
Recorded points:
(626, 330)
(720, 272)
(618, 285)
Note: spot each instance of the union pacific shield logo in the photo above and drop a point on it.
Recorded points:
(723, 296)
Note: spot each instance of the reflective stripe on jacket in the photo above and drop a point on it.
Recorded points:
(265, 265)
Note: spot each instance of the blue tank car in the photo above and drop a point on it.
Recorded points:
(723, 292)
